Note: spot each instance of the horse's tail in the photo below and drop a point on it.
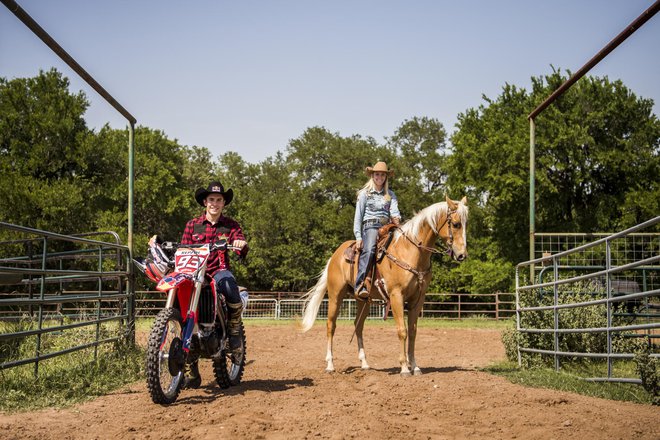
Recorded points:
(313, 299)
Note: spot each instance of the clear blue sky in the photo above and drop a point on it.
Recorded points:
(248, 76)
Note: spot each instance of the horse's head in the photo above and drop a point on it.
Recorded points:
(454, 230)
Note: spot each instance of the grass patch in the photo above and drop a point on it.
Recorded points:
(471, 323)
(70, 379)
(566, 380)
(67, 379)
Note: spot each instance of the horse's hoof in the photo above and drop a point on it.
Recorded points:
(329, 370)
(366, 367)
(405, 374)
(417, 372)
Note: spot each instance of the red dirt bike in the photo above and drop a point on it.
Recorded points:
(193, 323)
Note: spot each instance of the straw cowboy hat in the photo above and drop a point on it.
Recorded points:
(214, 187)
(379, 167)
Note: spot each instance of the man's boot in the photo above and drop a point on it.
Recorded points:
(235, 321)
(193, 378)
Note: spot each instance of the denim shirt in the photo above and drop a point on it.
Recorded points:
(371, 205)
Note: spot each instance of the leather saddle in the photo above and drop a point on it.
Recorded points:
(385, 234)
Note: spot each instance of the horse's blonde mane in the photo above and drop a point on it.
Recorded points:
(430, 216)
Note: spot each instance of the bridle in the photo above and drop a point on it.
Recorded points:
(421, 274)
(449, 245)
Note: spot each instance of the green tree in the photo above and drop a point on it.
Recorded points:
(589, 144)
(419, 150)
(597, 148)
(166, 176)
(328, 170)
(271, 211)
(46, 158)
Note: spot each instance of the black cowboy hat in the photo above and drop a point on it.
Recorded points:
(214, 187)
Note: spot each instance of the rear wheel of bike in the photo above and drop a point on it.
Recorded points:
(165, 357)
(228, 369)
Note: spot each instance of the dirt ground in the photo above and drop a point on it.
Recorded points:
(286, 394)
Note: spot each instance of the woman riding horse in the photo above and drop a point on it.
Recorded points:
(376, 206)
(406, 273)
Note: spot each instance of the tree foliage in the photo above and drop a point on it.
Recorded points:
(597, 169)
(46, 158)
(596, 148)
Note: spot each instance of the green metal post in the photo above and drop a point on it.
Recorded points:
(131, 275)
(98, 304)
(532, 203)
(42, 295)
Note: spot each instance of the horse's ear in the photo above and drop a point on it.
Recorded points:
(464, 200)
(452, 205)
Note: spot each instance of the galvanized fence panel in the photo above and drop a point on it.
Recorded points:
(614, 281)
(289, 305)
(293, 309)
(261, 309)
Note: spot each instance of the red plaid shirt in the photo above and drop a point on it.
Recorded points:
(199, 231)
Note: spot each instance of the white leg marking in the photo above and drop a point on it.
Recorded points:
(328, 358)
(363, 359)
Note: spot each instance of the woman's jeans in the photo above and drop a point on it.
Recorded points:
(369, 241)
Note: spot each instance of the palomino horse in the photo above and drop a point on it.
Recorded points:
(406, 272)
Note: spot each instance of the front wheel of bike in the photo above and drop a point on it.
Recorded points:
(165, 357)
(228, 368)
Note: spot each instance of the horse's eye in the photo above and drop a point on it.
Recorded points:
(457, 225)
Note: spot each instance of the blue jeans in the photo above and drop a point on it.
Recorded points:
(226, 285)
(369, 241)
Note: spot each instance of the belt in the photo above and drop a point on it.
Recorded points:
(376, 221)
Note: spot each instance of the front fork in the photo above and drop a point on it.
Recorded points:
(190, 326)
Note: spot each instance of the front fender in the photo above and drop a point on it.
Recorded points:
(173, 280)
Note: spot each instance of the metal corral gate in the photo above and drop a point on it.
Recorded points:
(41, 274)
(624, 313)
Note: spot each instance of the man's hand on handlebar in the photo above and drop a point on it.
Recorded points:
(240, 244)
(236, 245)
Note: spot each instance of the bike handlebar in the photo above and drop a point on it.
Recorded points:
(217, 246)
(220, 246)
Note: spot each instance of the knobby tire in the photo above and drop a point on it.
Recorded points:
(164, 386)
(228, 369)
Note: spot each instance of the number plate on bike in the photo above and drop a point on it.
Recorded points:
(190, 259)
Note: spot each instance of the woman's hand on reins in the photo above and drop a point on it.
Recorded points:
(358, 245)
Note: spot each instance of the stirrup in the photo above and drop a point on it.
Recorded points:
(362, 294)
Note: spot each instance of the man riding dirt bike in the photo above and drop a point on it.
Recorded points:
(209, 228)
(212, 316)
